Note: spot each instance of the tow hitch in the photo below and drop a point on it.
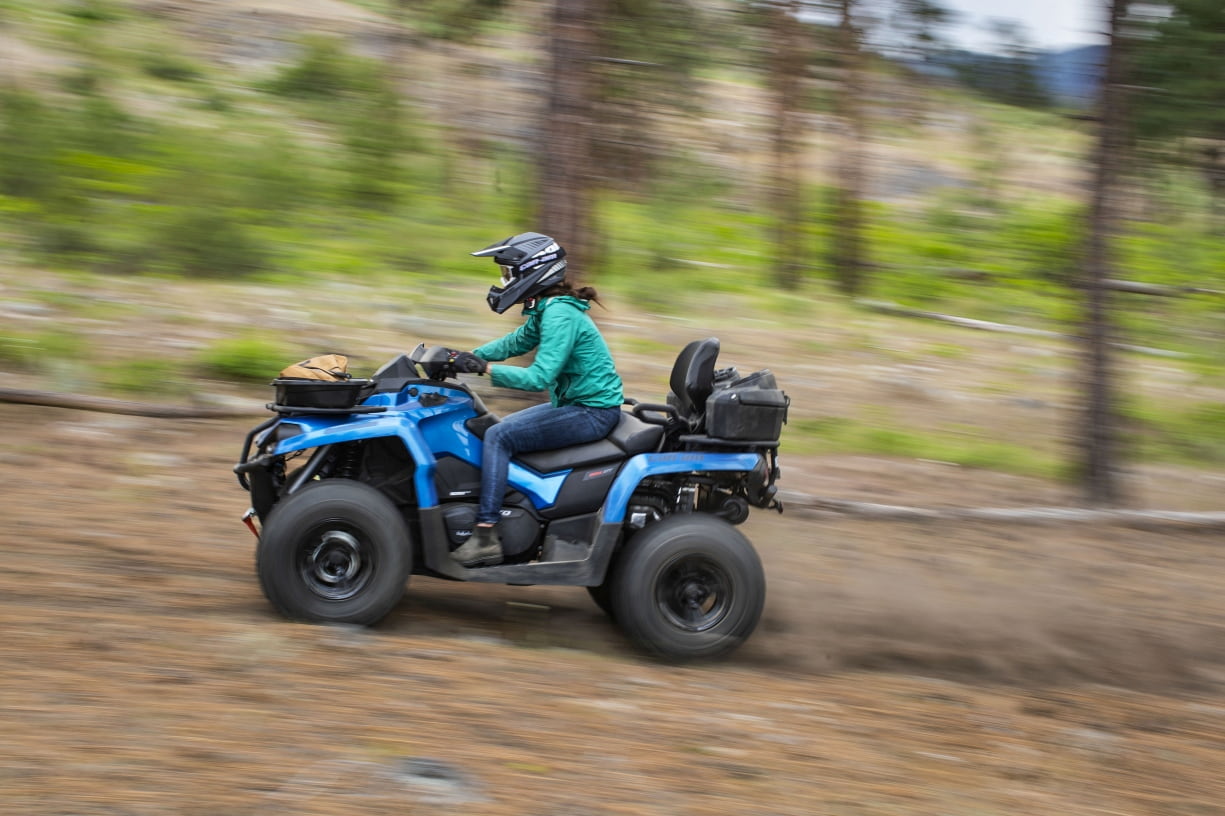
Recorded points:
(248, 518)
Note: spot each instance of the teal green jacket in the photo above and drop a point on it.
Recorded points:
(572, 360)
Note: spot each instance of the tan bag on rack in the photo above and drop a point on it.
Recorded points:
(323, 367)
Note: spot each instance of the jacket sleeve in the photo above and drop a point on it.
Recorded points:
(558, 330)
(520, 341)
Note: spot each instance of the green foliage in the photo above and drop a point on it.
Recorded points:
(65, 161)
(658, 47)
(270, 178)
(946, 350)
(250, 358)
(28, 132)
(1180, 70)
(149, 377)
(1016, 265)
(325, 70)
(692, 253)
(93, 11)
(29, 351)
(456, 19)
(203, 241)
(170, 66)
(356, 97)
(1042, 243)
(842, 435)
(1193, 434)
(1011, 78)
(375, 136)
(105, 189)
(324, 172)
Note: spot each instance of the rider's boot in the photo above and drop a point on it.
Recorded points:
(482, 549)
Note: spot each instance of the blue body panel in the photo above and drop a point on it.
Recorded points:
(428, 432)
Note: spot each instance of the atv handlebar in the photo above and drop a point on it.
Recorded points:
(434, 361)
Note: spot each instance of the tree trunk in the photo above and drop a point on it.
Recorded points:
(565, 192)
(401, 44)
(1099, 437)
(786, 200)
(847, 246)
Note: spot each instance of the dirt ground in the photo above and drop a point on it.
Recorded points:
(901, 668)
(906, 668)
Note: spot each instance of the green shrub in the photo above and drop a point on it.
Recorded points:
(29, 351)
(63, 237)
(29, 134)
(271, 178)
(842, 435)
(147, 377)
(1042, 242)
(1193, 434)
(325, 70)
(85, 80)
(169, 66)
(248, 358)
(374, 137)
(205, 241)
(93, 11)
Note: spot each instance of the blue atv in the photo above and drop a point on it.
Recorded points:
(357, 484)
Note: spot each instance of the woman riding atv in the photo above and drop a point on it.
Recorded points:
(572, 361)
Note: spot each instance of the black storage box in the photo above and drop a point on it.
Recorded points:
(758, 379)
(306, 394)
(750, 413)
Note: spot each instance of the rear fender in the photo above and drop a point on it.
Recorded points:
(654, 464)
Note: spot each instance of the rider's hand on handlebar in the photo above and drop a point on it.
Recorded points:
(465, 362)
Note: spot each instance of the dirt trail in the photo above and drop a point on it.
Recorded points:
(900, 668)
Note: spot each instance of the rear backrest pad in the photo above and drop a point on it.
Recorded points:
(693, 375)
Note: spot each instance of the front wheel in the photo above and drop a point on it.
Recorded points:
(336, 551)
(688, 587)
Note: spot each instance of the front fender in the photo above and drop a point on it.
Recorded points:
(654, 464)
(320, 431)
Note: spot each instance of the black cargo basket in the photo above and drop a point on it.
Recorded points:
(325, 395)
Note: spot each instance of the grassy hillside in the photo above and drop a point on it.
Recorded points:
(268, 145)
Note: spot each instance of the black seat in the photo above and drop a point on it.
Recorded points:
(693, 379)
(630, 436)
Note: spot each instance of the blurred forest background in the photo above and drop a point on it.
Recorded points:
(735, 157)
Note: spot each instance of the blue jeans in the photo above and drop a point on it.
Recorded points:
(541, 427)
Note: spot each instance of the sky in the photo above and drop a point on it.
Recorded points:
(1050, 23)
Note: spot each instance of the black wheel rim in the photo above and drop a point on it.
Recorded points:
(336, 560)
(694, 593)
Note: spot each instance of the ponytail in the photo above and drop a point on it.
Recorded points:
(583, 292)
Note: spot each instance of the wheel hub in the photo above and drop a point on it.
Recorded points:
(337, 558)
(335, 568)
(694, 594)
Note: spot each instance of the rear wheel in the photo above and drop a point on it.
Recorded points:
(336, 551)
(688, 587)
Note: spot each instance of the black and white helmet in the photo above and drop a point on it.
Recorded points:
(531, 263)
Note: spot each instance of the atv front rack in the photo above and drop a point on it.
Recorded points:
(298, 410)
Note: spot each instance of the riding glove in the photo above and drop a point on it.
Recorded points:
(465, 362)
